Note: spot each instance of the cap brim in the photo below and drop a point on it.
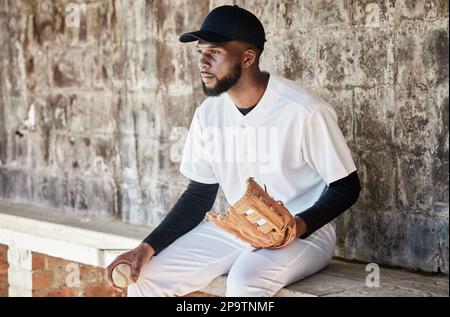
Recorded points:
(207, 36)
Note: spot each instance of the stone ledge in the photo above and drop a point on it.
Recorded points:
(61, 241)
(43, 230)
(345, 279)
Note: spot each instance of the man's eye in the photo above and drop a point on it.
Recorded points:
(214, 52)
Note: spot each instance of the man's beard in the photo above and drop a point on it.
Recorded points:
(222, 85)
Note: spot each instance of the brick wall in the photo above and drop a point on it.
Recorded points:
(3, 270)
(39, 275)
(59, 277)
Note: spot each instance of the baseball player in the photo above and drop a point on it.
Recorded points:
(252, 124)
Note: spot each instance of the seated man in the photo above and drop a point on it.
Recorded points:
(252, 124)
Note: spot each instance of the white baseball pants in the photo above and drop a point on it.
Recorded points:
(192, 261)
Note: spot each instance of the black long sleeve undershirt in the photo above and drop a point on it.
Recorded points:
(338, 197)
(188, 212)
(198, 198)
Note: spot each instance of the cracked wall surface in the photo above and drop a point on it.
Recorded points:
(113, 98)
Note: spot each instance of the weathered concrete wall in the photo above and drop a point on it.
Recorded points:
(114, 96)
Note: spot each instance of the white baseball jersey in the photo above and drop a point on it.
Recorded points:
(290, 141)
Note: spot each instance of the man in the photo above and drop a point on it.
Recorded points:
(252, 124)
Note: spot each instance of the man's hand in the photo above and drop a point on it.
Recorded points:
(136, 258)
(301, 226)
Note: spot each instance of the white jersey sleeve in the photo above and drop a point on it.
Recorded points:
(324, 147)
(194, 164)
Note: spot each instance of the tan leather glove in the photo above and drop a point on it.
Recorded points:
(258, 219)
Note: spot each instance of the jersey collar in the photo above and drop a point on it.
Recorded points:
(260, 108)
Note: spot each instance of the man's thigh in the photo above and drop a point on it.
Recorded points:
(264, 272)
(189, 263)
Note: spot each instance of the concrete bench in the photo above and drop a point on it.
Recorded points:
(51, 253)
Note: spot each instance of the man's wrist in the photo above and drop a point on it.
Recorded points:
(302, 227)
(146, 246)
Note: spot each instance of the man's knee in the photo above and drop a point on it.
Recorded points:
(243, 285)
(148, 287)
(152, 282)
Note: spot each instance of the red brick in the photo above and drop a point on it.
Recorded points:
(3, 287)
(4, 270)
(102, 290)
(60, 292)
(92, 274)
(53, 263)
(42, 280)
(39, 262)
(3, 282)
(3, 253)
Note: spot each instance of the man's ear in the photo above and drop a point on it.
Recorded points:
(249, 58)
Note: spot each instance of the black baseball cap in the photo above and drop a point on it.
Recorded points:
(229, 23)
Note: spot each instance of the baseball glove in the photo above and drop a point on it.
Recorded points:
(258, 219)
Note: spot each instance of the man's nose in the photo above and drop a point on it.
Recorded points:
(203, 63)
